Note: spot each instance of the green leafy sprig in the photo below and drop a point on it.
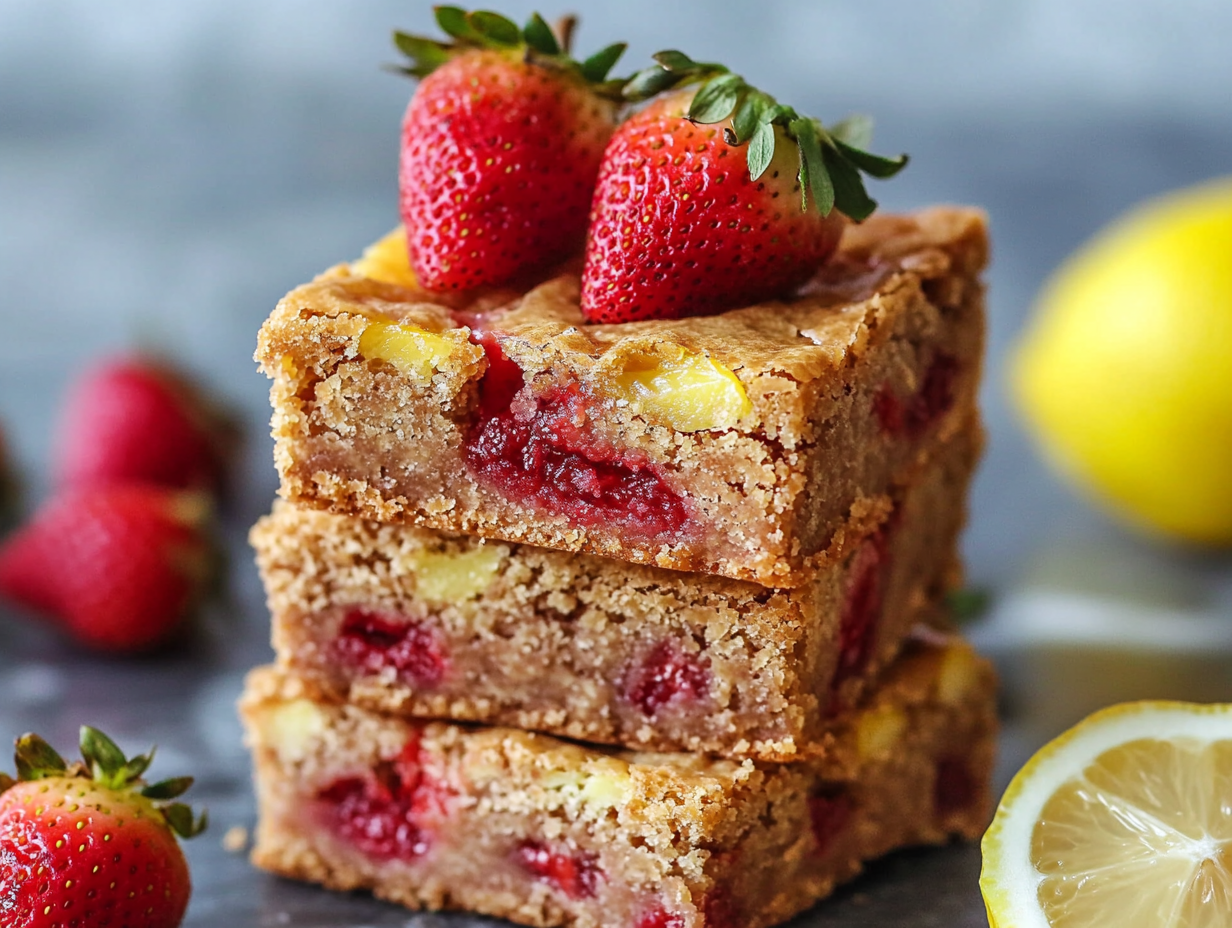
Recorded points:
(103, 762)
(831, 158)
(483, 29)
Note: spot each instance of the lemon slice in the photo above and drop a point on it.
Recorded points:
(1125, 820)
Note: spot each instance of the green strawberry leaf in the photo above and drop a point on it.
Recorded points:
(716, 99)
(875, 165)
(595, 68)
(649, 82)
(453, 20)
(814, 178)
(672, 60)
(761, 150)
(138, 765)
(849, 194)
(168, 789)
(180, 818)
(426, 55)
(6, 781)
(750, 113)
(495, 29)
(104, 759)
(36, 759)
(856, 130)
(539, 36)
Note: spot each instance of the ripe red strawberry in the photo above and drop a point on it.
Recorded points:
(117, 566)
(716, 199)
(133, 420)
(91, 844)
(500, 148)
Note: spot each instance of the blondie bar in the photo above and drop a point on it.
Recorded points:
(737, 444)
(547, 833)
(406, 620)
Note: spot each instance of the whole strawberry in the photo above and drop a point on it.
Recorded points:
(134, 420)
(90, 844)
(501, 145)
(718, 198)
(117, 566)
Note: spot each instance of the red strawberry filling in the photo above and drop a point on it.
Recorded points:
(370, 642)
(719, 910)
(660, 918)
(955, 788)
(541, 450)
(575, 875)
(829, 814)
(664, 676)
(861, 608)
(935, 396)
(383, 813)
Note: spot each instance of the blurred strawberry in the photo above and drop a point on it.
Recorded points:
(133, 420)
(117, 566)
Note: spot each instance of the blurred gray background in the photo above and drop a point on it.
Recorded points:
(168, 170)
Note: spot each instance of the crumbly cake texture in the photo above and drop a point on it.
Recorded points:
(546, 833)
(414, 622)
(840, 391)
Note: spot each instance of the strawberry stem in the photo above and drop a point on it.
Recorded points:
(831, 159)
(105, 764)
(482, 29)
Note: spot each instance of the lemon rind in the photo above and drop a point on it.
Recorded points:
(1008, 880)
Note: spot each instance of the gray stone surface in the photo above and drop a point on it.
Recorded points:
(168, 170)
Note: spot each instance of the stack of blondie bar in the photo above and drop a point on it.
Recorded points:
(622, 625)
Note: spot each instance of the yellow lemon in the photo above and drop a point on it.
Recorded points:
(1124, 820)
(1126, 373)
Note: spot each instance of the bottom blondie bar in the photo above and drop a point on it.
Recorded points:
(546, 832)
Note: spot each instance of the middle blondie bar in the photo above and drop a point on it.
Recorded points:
(412, 622)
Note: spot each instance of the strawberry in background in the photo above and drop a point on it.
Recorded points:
(117, 567)
(118, 557)
(133, 419)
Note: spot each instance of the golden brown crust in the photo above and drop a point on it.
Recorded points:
(357, 437)
(669, 832)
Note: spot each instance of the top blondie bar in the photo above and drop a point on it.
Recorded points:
(743, 444)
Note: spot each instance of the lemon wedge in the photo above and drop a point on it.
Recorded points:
(1124, 820)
